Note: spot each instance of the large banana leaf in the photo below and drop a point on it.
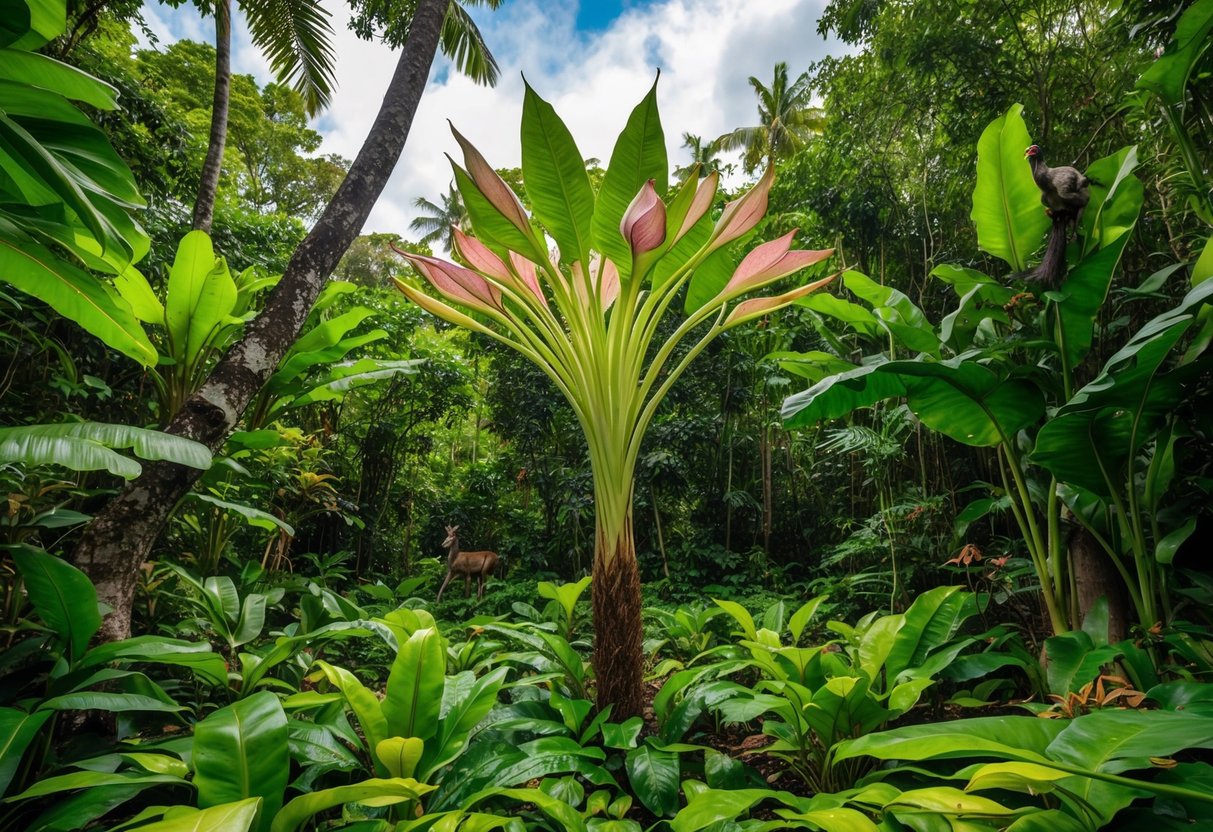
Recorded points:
(959, 398)
(556, 180)
(87, 446)
(1090, 440)
(72, 292)
(639, 155)
(464, 710)
(240, 752)
(1006, 202)
(62, 596)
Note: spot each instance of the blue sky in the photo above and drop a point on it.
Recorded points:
(593, 62)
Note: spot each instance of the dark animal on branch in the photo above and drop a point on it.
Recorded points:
(1064, 193)
(466, 564)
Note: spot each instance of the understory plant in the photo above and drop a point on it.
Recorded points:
(588, 313)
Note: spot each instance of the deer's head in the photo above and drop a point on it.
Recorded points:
(452, 536)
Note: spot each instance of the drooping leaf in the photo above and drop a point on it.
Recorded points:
(63, 597)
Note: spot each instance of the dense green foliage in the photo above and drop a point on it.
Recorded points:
(920, 551)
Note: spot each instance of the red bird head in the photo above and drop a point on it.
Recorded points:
(1033, 150)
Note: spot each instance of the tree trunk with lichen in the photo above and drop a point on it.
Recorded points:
(618, 629)
(119, 538)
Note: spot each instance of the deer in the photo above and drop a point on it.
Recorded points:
(466, 564)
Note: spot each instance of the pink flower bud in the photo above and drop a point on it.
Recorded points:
(705, 194)
(499, 194)
(643, 223)
(743, 213)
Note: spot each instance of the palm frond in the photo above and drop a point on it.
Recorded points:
(296, 37)
(462, 42)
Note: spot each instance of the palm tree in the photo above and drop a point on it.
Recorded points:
(294, 35)
(439, 220)
(704, 154)
(786, 120)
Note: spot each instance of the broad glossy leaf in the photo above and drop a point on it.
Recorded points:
(742, 616)
(711, 806)
(413, 699)
(91, 780)
(1116, 199)
(933, 619)
(200, 299)
(240, 752)
(197, 656)
(56, 76)
(73, 293)
(556, 180)
(639, 155)
(461, 717)
(63, 597)
(1011, 223)
(17, 731)
(230, 817)
(1126, 400)
(840, 395)
(1085, 290)
(253, 516)
(654, 776)
(113, 702)
(1011, 737)
(375, 792)
(77, 811)
(1167, 77)
(363, 703)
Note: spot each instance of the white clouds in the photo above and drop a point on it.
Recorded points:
(705, 49)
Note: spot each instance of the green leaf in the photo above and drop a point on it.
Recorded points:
(654, 776)
(17, 731)
(113, 702)
(230, 817)
(932, 620)
(556, 180)
(462, 713)
(413, 699)
(85, 446)
(1085, 290)
(200, 299)
(1106, 421)
(565, 595)
(197, 656)
(1006, 202)
(742, 616)
(63, 597)
(712, 806)
(37, 23)
(400, 755)
(1005, 737)
(241, 752)
(1167, 77)
(73, 293)
(639, 155)
(56, 76)
(375, 792)
(254, 516)
(93, 780)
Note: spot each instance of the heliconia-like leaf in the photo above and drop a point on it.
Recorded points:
(743, 213)
(455, 282)
(771, 261)
(705, 194)
(479, 256)
(756, 307)
(643, 223)
(437, 307)
(500, 195)
(528, 273)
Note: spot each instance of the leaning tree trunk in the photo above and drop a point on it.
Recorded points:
(618, 629)
(117, 541)
(208, 184)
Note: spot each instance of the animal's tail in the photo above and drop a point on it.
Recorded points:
(1052, 267)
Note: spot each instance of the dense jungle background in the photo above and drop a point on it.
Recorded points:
(1046, 476)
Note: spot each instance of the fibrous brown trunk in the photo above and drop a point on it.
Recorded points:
(208, 183)
(120, 537)
(618, 630)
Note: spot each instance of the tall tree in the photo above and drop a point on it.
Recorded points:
(704, 154)
(786, 121)
(439, 221)
(294, 36)
(118, 539)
